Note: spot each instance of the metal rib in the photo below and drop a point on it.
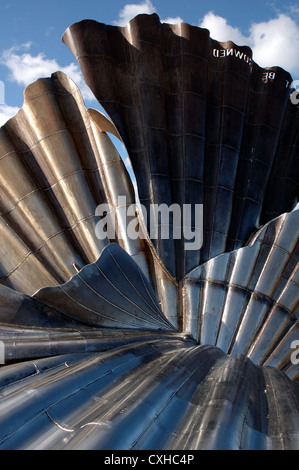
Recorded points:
(104, 354)
(189, 398)
(57, 166)
(247, 301)
(113, 292)
(200, 128)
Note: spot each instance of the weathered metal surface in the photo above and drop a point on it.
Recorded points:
(111, 293)
(152, 395)
(246, 301)
(20, 310)
(23, 344)
(202, 124)
(114, 337)
(56, 166)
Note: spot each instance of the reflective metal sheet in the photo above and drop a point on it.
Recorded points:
(56, 167)
(246, 301)
(202, 124)
(104, 341)
(166, 394)
(111, 293)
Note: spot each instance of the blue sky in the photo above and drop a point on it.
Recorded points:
(31, 46)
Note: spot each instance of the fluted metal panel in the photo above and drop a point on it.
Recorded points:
(141, 344)
(113, 292)
(57, 165)
(20, 310)
(166, 394)
(28, 343)
(246, 301)
(202, 123)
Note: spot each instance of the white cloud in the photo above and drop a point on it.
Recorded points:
(131, 10)
(276, 42)
(221, 30)
(6, 112)
(273, 43)
(293, 11)
(173, 20)
(24, 68)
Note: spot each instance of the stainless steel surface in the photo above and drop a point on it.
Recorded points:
(201, 123)
(246, 301)
(111, 293)
(56, 166)
(155, 394)
(139, 344)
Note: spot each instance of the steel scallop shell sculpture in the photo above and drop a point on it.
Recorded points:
(122, 343)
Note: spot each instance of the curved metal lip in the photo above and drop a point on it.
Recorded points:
(113, 289)
(141, 43)
(155, 17)
(74, 381)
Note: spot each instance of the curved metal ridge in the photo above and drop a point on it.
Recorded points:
(112, 292)
(57, 165)
(17, 309)
(126, 343)
(23, 344)
(202, 124)
(189, 398)
(247, 301)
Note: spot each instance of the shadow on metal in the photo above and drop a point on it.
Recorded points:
(202, 124)
(101, 336)
(113, 292)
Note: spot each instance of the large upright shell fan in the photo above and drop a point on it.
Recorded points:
(122, 342)
(202, 123)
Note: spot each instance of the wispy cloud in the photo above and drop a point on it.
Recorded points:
(273, 43)
(131, 10)
(24, 68)
(173, 20)
(221, 30)
(6, 112)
